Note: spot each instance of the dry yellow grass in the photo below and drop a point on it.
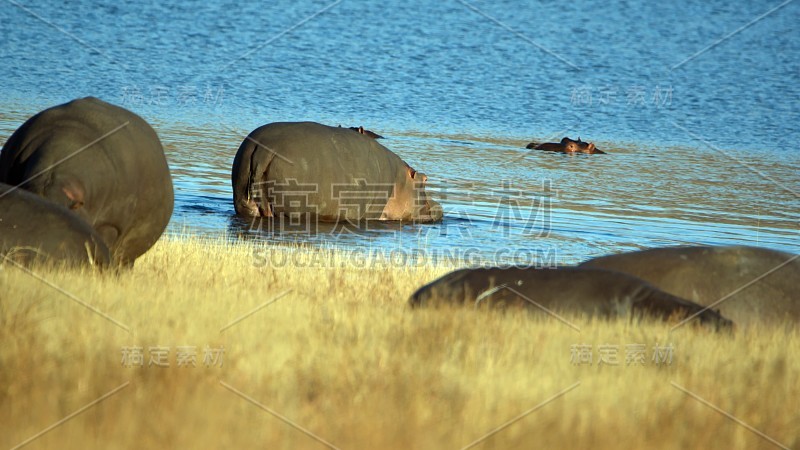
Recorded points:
(342, 357)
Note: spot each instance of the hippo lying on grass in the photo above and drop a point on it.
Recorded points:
(565, 290)
(36, 230)
(330, 173)
(101, 161)
(567, 145)
(748, 284)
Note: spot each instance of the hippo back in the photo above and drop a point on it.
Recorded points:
(33, 230)
(102, 161)
(595, 292)
(748, 284)
(339, 174)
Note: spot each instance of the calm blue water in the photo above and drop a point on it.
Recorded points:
(703, 148)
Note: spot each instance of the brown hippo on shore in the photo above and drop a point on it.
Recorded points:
(748, 284)
(567, 145)
(331, 173)
(33, 230)
(564, 290)
(101, 161)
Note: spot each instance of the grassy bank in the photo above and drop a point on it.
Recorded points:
(319, 350)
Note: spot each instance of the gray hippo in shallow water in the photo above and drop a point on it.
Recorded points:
(330, 173)
(755, 285)
(33, 230)
(594, 292)
(101, 161)
(567, 145)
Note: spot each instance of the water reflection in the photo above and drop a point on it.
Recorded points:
(497, 203)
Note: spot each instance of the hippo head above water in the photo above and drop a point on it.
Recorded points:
(366, 132)
(410, 202)
(567, 145)
(578, 146)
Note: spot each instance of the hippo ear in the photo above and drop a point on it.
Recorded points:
(74, 193)
(411, 172)
(361, 130)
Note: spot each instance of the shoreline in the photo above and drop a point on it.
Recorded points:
(338, 351)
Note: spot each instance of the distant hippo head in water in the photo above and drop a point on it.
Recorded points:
(365, 132)
(567, 145)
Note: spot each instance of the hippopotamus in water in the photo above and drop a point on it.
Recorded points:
(101, 161)
(567, 145)
(341, 176)
(34, 230)
(369, 133)
(564, 290)
(364, 131)
(748, 284)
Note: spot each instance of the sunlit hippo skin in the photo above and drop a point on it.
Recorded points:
(567, 145)
(101, 161)
(567, 290)
(34, 230)
(341, 176)
(761, 285)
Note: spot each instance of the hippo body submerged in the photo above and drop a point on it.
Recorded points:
(567, 145)
(330, 173)
(101, 161)
(599, 293)
(761, 285)
(34, 230)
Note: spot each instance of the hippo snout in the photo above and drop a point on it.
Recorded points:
(431, 212)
